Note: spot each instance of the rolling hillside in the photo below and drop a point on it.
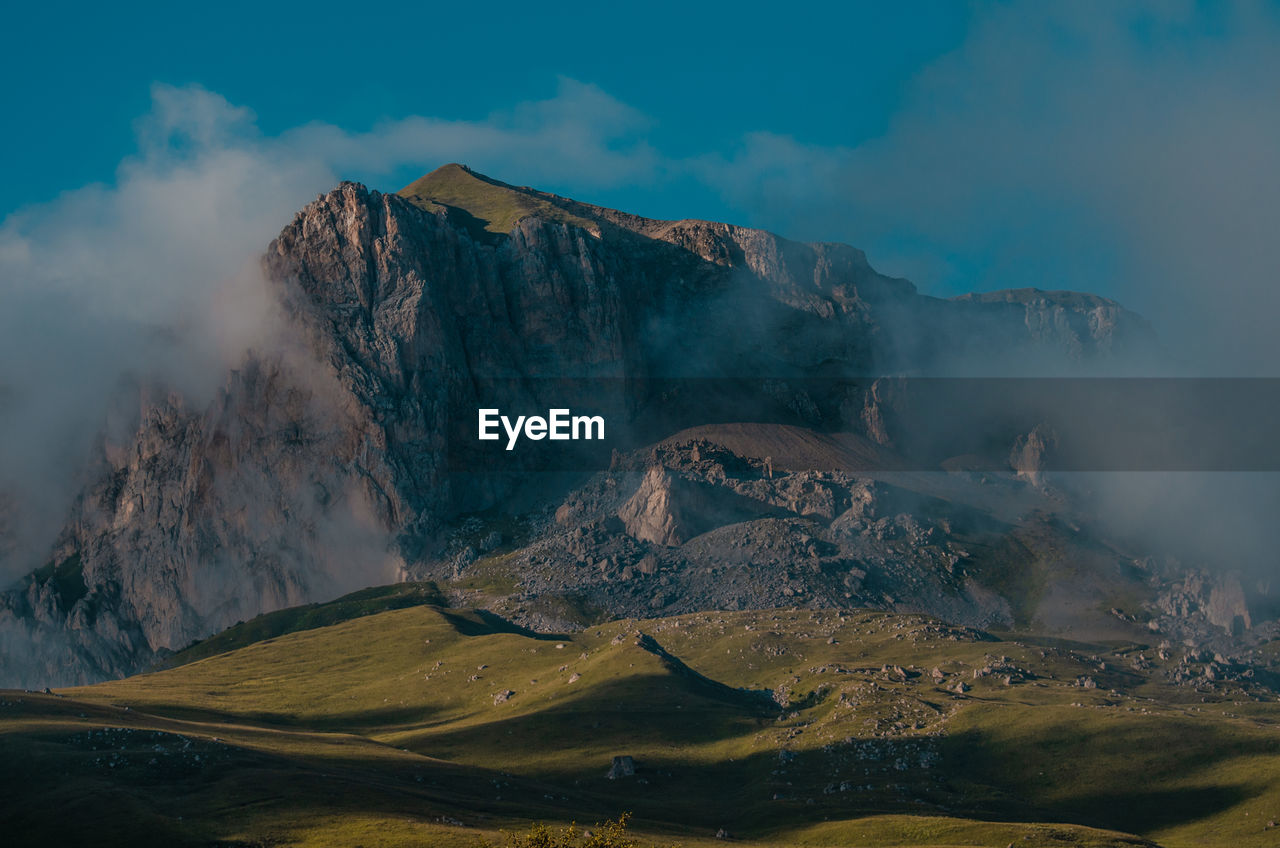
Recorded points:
(426, 725)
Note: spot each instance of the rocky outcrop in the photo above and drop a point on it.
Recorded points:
(1228, 607)
(651, 514)
(1030, 452)
(671, 508)
(1218, 600)
(1077, 323)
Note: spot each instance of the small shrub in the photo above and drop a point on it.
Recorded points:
(610, 834)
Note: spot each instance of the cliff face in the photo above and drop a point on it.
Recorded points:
(322, 466)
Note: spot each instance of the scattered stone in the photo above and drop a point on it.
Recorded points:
(623, 766)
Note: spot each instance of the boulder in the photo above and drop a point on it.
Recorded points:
(623, 766)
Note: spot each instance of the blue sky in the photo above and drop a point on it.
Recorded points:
(1128, 149)
(705, 73)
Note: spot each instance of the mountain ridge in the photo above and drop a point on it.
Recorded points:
(322, 470)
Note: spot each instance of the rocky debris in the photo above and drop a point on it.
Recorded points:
(762, 542)
(623, 766)
(502, 697)
(169, 754)
(895, 673)
(1004, 669)
(1208, 670)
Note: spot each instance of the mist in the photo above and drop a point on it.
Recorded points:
(1124, 149)
(152, 278)
(155, 278)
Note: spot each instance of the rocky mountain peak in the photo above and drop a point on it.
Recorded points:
(324, 466)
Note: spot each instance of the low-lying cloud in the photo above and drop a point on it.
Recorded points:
(1124, 149)
(155, 276)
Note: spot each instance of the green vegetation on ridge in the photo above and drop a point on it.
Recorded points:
(295, 619)
(496, 206)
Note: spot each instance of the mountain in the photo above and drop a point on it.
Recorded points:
(331, 463)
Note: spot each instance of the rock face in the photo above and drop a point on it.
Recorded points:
(324, 466)
(1027, 459)
(1075, 322)
(1216, 600)
(652, 515)
(670, 508)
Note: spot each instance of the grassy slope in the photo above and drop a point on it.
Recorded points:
(496, 206)
(296, 619)
(383, 730)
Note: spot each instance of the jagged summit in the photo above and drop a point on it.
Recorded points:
(490, 209)
(500, 206)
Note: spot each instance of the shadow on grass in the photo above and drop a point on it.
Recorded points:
(59, 789)
(354, 721)
(551, 764)
(1138, 777)
(485, 623)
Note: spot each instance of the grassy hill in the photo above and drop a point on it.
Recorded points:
(432, 726)
(310, 616)
(495, 206)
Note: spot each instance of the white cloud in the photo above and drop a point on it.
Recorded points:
(581, 135)
(1131, 149)
(155, 274)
